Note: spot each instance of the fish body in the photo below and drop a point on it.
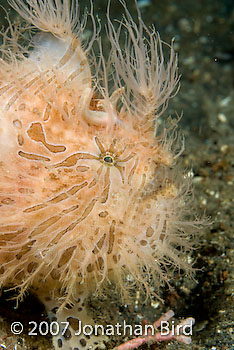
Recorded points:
(89, 192)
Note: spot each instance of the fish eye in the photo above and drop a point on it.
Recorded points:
(108, 159)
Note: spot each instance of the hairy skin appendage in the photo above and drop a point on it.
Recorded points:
(90, 191)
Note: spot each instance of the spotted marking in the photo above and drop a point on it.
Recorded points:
(59, 198)
(45, 84)
(69, 53)
(17, 123)
(15, 97)
(73, 159)
(111, 237)
(7, 201)
(99, 244)
(149, 232)
(82, 168)
(66, 256)
(105, 193)
(37, 134)
(47, 110)
(20, 140)
(14, 83)
(34, 208)
(45, 225)
(132, 171)
(31, 156)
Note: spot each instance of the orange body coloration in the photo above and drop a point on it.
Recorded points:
(74, 190)
(88, 192)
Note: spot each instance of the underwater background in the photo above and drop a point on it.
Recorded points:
(203, 32)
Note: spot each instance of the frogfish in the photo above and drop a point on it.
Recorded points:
(91, 192)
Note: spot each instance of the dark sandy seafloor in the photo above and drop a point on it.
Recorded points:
(204, 39)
